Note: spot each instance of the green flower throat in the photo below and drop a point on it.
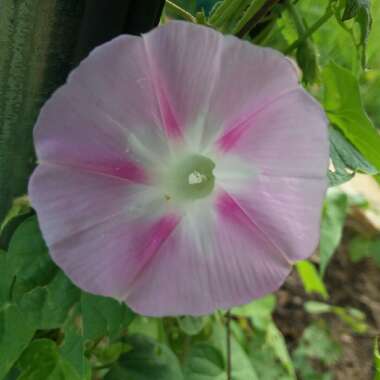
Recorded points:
(192, 177)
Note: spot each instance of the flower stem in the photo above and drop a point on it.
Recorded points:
(309, 31)
(180, 11)
(228, 343)
(253, 21)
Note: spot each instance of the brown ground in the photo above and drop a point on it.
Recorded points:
(350, 285)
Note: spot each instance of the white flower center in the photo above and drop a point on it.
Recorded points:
(190, 178)
(195, 177)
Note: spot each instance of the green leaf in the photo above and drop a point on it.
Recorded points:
(352, 7)
(310, 278)
(307, 59)
(259, 310)
(148, 326)
(345, 110)
(266, 363)
(191, 325)
(376, 354)
(112, 352)
(340, 174)
(242, 368)
(346, 159)
(360, 248)
(18, 213)
(42, 360)
(333, 219)
(16, 331)
(317, 343)
(28, 258)
(146, 360)
(351, 157)
(73, 348)
(49, 305)
(103, 316)
(354, 318)
(315, 307)
(225, 16)
(251, 10)
(42, 308)
(6, 279)
(276, 341)
(205, 362)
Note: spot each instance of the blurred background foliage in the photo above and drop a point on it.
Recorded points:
(321, 325)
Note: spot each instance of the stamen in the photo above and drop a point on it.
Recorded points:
(195, 177)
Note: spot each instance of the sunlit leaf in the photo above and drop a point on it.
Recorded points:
(311, 279)
(148, 326)
(352, 317)
(345, 110)
(346, 158)
(315, 307)
(376, 353)
(259, 310)
(276, 341)
(333, 218)
(191, 325)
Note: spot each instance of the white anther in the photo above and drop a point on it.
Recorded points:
(195, 178)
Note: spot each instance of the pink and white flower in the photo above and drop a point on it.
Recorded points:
(181, 171)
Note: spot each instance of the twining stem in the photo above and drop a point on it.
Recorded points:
(309, 31)
(258, 16)
(180, 11)
(228, 342)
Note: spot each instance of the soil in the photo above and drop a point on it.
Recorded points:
(349, 285)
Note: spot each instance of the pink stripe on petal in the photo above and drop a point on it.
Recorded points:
(211, 260)
(237, 128)
(127, 170)
(169, 120)
(229, 139)
(149, 244)
(229, 208)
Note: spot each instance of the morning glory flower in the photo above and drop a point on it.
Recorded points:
(180, 172)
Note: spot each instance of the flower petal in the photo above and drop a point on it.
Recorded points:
(107, 231)
(287, 142)
(288, 211)
(200, 72)
(286, 138)
(106, 116)
(215, 258)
